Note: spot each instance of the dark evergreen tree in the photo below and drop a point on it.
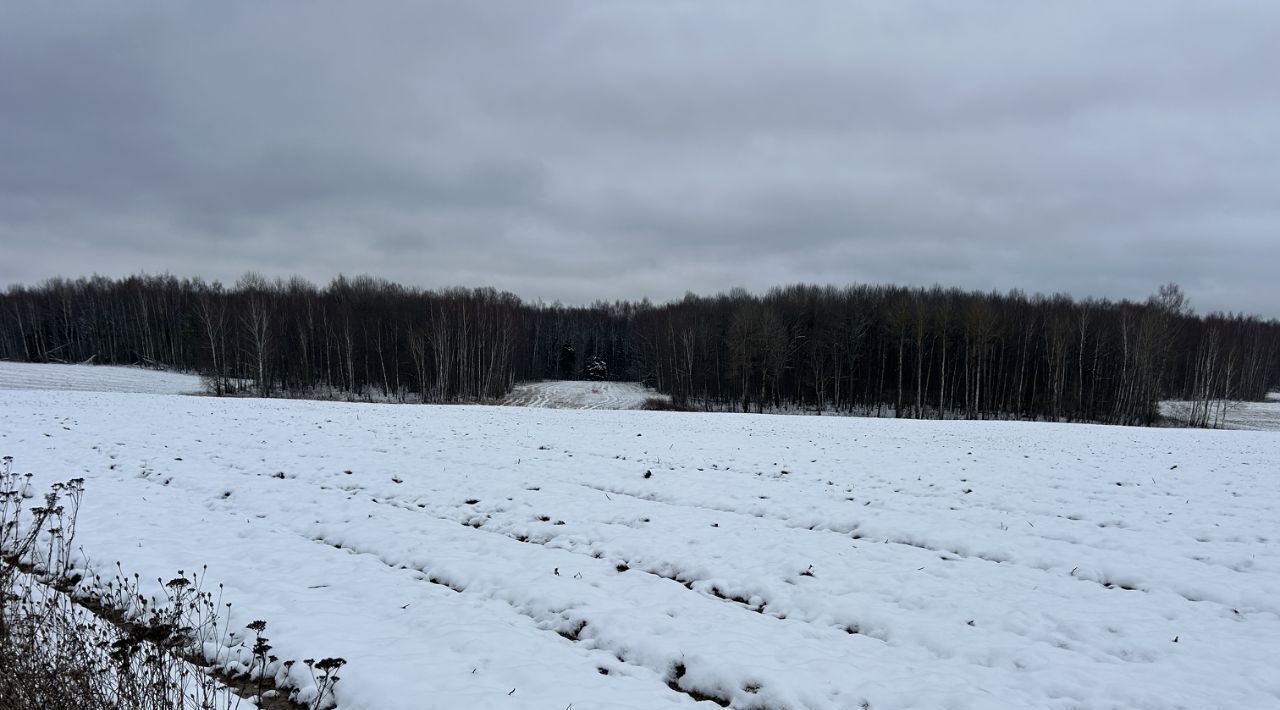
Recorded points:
(597, 369)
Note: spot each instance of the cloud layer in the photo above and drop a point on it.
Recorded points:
(584, 150)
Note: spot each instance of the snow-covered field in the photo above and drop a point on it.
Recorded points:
(568, 394)
(500, 557)
(1256, 416)
(94, 378)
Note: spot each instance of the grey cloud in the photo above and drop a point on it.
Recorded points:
(580, 150)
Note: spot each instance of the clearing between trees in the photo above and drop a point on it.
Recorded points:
(571, 394)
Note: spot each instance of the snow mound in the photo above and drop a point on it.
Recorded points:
(94, 378)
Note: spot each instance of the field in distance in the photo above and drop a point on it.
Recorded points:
(95, 378)
(468, 556)
(572, 394)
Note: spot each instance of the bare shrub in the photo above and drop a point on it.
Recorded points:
(661, 404)
(68, 640)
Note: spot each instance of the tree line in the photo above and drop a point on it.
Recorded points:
(883, 350)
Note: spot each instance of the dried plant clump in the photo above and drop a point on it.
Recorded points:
(71, 639)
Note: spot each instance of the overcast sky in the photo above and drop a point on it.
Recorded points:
(604, 149)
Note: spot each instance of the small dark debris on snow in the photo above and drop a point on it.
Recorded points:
(574, 633)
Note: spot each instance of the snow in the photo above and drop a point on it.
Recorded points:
(570, 394)
(94, 378)
(1256, 416)
(503, 557)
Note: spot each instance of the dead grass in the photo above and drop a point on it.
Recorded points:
(67, 641)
